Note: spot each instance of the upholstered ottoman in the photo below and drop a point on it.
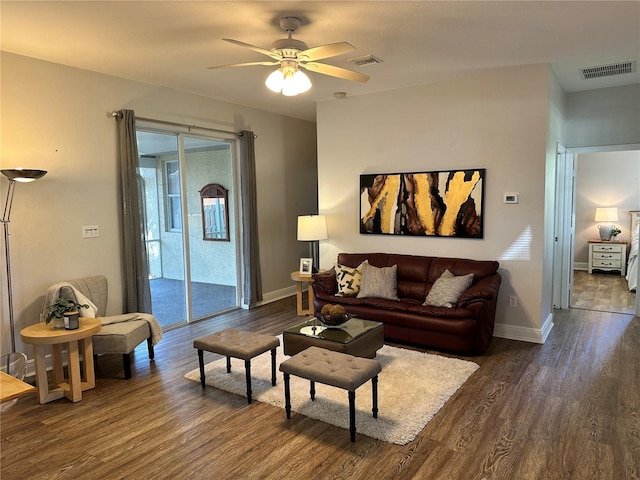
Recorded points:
(238, 344)
(336, 369)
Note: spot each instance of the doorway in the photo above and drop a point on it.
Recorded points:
(192, 246)
(601, 177)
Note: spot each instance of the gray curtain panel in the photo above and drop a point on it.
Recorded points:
(137, 292)
(252, 286)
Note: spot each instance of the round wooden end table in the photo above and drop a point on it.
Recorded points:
(41, 335)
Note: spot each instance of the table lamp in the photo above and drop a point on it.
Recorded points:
(312, 228)
(608, 214)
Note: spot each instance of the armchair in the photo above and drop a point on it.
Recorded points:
(120, 334)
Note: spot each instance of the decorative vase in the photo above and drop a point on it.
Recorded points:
(71, 320)
(605, 232)
(58, 322)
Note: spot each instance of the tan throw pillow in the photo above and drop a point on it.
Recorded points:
(379, 282)
(447, 289)
(348, 279)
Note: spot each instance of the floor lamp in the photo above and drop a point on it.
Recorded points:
(312, 228)
(14, 175)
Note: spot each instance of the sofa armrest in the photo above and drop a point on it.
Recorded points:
(482, 299)
(484, 289)
(325, 282)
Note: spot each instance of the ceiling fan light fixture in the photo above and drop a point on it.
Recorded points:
(289, 81)
(293, 54)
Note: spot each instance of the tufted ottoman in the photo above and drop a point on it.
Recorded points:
(238, 344)
(336, 369)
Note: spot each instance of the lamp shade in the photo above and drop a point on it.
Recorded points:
(607, 214)
(23, 174)
(312, 227)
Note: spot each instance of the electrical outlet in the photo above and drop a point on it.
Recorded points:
(513, 301)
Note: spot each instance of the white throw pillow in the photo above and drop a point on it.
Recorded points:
(348, 279)
(379, 282)
(447, 289)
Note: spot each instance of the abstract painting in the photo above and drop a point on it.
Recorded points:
(441, 203)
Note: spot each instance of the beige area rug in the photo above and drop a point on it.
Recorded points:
(412, 387)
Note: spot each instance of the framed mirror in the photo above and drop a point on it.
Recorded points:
(215, 213)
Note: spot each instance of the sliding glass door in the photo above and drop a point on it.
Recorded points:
(191, 217)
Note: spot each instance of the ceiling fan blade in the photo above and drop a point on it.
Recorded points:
(269, 53)
(248, 64)
(335, 71)
(325, 51)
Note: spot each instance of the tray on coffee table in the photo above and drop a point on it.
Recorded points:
(357, 336)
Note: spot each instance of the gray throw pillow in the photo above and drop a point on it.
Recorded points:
(379, 282)
(447, 289)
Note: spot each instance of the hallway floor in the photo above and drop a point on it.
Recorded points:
(603, 292)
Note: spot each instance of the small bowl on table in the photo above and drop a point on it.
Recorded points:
(333, 321)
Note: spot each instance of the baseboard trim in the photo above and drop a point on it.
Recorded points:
(30, 370)
(524, 334)
(274, 296)
(547, 327)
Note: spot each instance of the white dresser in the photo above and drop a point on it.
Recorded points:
(608, 256)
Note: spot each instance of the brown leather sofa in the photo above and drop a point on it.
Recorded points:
(466, 328)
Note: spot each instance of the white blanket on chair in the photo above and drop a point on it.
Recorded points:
(154, 326)
(53, 293)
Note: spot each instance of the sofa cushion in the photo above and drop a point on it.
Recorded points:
(379, 282)
(447, 289)
(348, 280)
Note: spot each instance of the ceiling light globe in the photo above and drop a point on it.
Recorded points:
(295, 84)
(302, 81)
(274, 82)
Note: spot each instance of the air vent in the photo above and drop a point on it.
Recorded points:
(366, 60)
(608, 70)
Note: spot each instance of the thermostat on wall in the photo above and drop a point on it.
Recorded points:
(510, 198)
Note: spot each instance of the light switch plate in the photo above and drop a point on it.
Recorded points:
(510, 198)
(90, 231)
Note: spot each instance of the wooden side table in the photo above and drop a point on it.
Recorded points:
(40, 336)
(300, 280)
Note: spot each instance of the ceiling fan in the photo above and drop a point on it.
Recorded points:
(291, 54)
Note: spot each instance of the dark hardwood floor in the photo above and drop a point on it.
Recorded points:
(568, 409)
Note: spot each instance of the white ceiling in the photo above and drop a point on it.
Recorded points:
(170, 43)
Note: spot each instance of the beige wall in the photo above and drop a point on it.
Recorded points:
(58, 119)
(606, 116)
(604, 179)
(499, 121)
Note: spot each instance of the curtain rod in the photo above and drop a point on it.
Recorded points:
(118, 115)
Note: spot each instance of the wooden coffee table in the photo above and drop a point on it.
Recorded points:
(357, 337)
